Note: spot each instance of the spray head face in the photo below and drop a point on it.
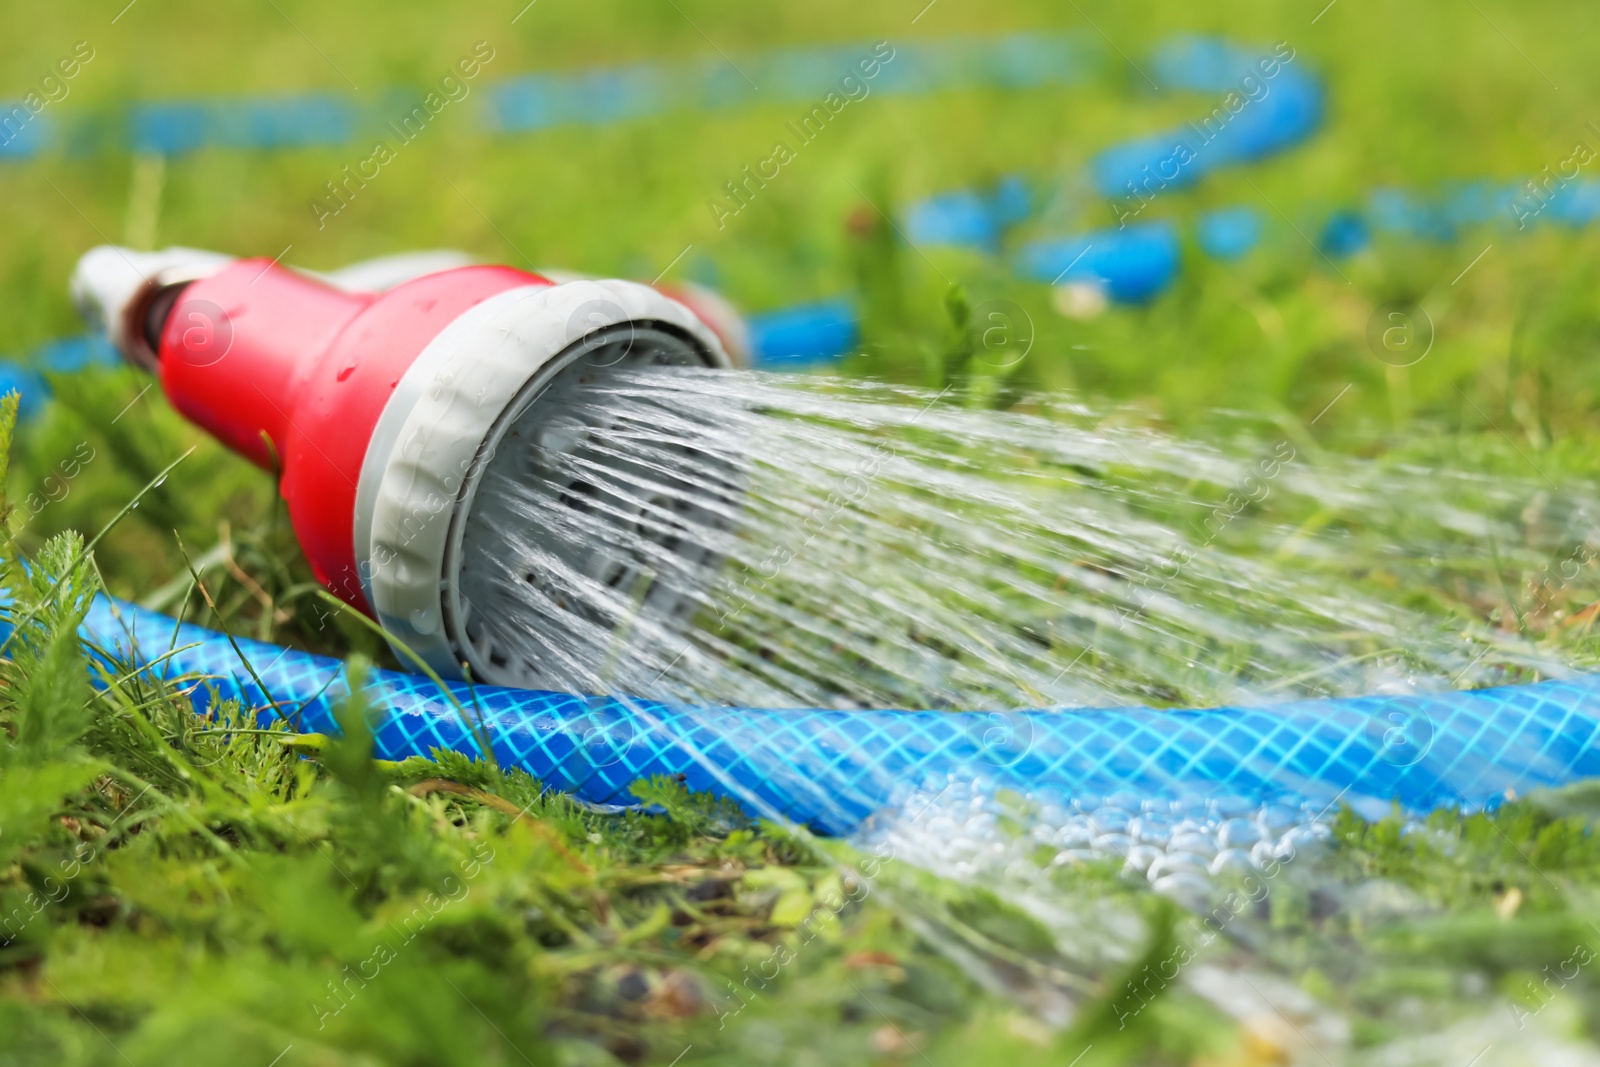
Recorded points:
(503, 538)
(564, 552)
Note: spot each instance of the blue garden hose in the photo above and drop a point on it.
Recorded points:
(833, 770)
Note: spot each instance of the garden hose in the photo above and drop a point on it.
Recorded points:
(832, 770)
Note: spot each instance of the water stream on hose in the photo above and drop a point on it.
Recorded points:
(760, 540)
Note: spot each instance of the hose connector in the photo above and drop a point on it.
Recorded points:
(127, 294)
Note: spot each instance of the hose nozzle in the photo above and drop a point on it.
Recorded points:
(127, 295)
(382, 407)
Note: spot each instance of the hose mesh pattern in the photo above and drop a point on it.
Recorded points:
(832, 770)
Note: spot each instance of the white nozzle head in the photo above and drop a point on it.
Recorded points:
(491, 389)
(708, 305)
(113, 288)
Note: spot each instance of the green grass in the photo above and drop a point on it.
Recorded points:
(193, 893)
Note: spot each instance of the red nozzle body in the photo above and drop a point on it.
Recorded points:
(293, 374)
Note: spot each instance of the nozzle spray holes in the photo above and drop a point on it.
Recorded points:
(1400, 333)
(1004, 333)
(1401, 738)
(205, 332)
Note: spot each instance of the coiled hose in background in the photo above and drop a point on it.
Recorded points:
(832, 770)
